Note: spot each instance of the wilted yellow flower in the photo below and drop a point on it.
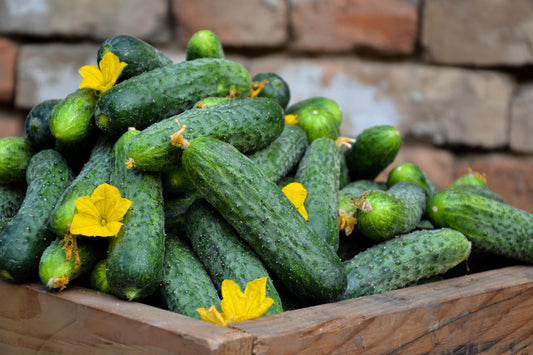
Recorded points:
(102, 77)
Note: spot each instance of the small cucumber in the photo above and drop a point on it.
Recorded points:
(273, 87)
(162, 92)
(175, 209)
(204, 44)
(223, 253)
(15, 155)
(98, 279)
(374, 149)
(397, 262)
(139, 56)
(37, 125)
(72, 120)
(282, 155)
(317, 101)
(471, 178)
(135, 256)
(56, 272)
(175, 181)
(185, 284)
(318, 172)
(27, 235)
(266, 219)
(248, 124)
(383, 215)
(96, 171)
(11, 197)
(212, 100)
(413, 173)
(492, 226)
(318, 122)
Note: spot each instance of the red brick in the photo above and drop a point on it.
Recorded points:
(388, 26)
(8, 58)
(509, 176)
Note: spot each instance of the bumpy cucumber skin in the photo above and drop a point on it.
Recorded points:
(96, 171)
(491, 225)
(175, 210)
(162, 92)
(318, 172)
(223, 253)
(403, 260)
(282, 155)
(276, 88)
(139, 55)
(248, 124)
(373, 150)
(395, 211)
(72, 119)
(135, 256)
(11, 197)
(317, 101)
(52, 263)
(28, 233)
(98, 279)
(185, 284)
(266, 219)
(204, 44)
(318, 122)
(15, 155)
(411, 172)
(37, 125)
(176, 182)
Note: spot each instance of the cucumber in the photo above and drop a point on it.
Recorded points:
(4, 221)
(98, 279)
(414, 173)
(383, 215)
(492, 226)
(317, 101)
(318, 122)
(72, 120)
(265, 219)
(15, 155)
(77, 153)
(273, 87)
(37, 125)
(162, 92)
(282, 155)
(56, 272)
(185, 284)
(27, 235)
(204, 44)
(248, 124)
(96, 171)
(175, 209)
(374, 149)
(395, 263)
(471, 178)
(175, 181)
(135, 256)
(223, 253)
(139, 56)
(318, 172)
(212, 100)
(11, 197)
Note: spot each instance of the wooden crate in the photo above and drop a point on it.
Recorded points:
(489, 312)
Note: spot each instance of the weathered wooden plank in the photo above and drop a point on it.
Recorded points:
(84, 321)
(489, 312)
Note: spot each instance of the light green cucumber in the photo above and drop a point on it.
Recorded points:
(98, 279)
(411, 172)
(204, 44)
(15, 155)
(317, 101)
(318, 122)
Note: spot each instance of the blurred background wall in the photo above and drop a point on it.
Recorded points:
(455, 76)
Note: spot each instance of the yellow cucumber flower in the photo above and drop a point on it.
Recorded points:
(102, 77)
(297, 194)
(291, 119)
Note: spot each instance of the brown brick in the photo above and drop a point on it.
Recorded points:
(11, 123)
(521, 125)
(508, 175)
(8, 57)
(388, 26)
(237, 23)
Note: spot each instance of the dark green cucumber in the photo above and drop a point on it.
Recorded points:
(98, 279)
(283, 154)
(96, 171)
(15, 155)
(135, 257)
(318, 122)
(185, 284)
(139, 56)
(175, 181)
(72, 120)
(374, 149)
(204, 44)
(11, 197)
(4, 221)
(175, 210)
(248, 124)
(266, 219)
(395, 263)
(27, 235)
(77, 153)
(37, 125)
(162, 92)
(317, 101)
(56, 272)
(318, 172)
(275, 87)
(224, 254)
(492, 226)
(414, 173)
(382, 215)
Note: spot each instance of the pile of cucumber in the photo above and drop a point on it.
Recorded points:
(207, 204)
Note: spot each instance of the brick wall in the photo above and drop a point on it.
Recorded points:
(453, 75)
